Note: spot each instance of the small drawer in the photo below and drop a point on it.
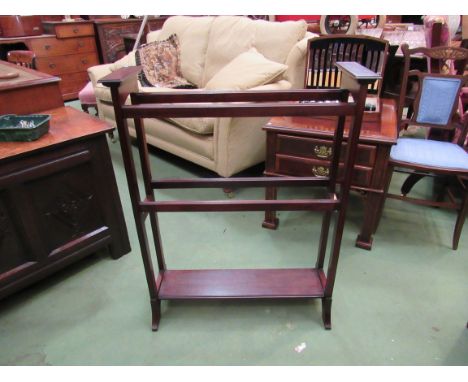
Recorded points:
(50, 46)
(74, 30)
(286, 165)
(320, 149)
(66, 64)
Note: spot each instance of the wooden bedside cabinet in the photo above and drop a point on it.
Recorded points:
(301, 146)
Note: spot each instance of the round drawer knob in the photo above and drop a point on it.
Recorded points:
(84, 61)
(47, 47)
(52, 66)
(81, 44)
(76, 30)
(320, 171)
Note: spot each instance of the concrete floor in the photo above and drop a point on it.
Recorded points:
(403, 303)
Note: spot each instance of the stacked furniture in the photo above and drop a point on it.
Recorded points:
(68, 55)
(207, 46)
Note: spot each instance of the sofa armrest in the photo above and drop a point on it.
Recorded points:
(296, 62)
(97, 72)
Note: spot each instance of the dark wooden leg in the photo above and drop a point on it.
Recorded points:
(326, 312)
(379, 212)
(155, 314)
(410, 181)
(85, 107)
(229, 192)
(371, 214)
(271, 221)
(323, 240)
(460, 221)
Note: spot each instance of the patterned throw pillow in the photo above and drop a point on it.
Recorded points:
(160, 63)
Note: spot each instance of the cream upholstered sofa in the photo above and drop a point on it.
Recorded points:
(207, 44)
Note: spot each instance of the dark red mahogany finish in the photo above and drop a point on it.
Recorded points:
(240, 283)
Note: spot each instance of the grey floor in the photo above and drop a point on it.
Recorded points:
(403, 303)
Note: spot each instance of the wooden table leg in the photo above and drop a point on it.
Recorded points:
(271, 221)
(371, 211)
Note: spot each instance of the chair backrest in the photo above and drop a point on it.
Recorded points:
(443, 60)
(436, 102)
(324, 52)
(24, 58)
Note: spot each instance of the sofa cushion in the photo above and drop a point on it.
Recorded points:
(161, 64)
(192, 33)
(247, 70)
(233, 35)
(275, 40)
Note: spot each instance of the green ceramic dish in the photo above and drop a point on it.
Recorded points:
(23, 128)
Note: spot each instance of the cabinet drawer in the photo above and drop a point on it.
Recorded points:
(321, 149)
(50, 46)
(66, 64)
(287, 165)
(77, 30)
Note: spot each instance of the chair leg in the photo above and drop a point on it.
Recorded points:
(85, 107)
(460, 220)
(409, 183)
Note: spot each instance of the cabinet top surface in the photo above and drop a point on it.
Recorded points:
(26, 77)
(67, 124)
(372, 131)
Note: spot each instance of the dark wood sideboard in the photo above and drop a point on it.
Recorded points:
(58, 196)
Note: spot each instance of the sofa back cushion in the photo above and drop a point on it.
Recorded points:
(233, 35)
(192, 33)
(247, 70)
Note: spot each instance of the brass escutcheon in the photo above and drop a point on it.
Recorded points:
(320, 171)
(323, 151)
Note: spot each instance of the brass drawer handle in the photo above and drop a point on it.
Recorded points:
(323, 152)
(47, 47)
(81, 44)
(320, 171)
(52, 66)
(76, 30)
(84, 61)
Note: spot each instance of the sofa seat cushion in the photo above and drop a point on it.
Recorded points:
(247, 70)
(196, 125)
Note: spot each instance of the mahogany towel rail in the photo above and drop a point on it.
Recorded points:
(165, 284)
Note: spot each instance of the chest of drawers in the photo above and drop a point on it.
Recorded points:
(68, 53)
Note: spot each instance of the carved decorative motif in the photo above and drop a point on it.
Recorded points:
(69, 209)
(447, 53)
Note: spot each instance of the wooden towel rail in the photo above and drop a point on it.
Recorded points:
(314, 282)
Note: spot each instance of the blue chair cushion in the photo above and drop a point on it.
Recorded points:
(438, 95)
(426, 152)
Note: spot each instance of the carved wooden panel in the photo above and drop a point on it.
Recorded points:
(13, 253)
(66, 204)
